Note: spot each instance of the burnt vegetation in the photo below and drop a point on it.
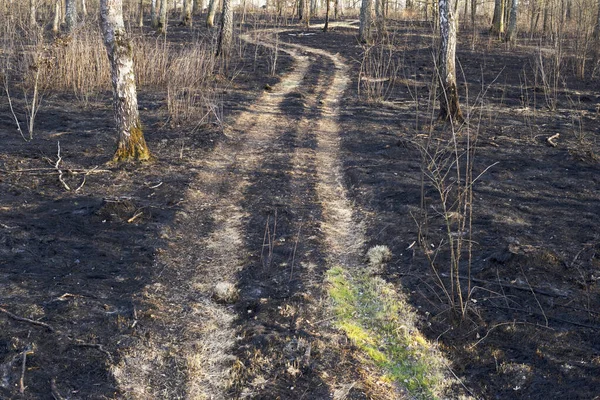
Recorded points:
(320, 216)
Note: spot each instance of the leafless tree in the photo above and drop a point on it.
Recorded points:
(366, 21)
(131, 143)
(71, 14)
(226, 32)
(162, 18)
(449, 105)
(210, 17)
(511, 32)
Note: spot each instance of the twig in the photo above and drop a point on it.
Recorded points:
(135, 216)
(56, 166)
(534, 296)
(551, 318)
(54, 390)
(294, 252)
(12, 109)
(75, 171)
(31, 321)
(552, 140)
(23, 369)
(96, 346)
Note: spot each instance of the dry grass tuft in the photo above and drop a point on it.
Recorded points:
(226, 292)
(377, 257)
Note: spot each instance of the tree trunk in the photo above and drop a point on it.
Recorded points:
(300, 9)
(57, 15)
(186, 15)
(366, 18)
(449, 106)
(83, 8)
(198, 6)
(473, 12)
(32, 13)
(131, 145)
(326, 27)
(153, 15)
(336, 10)
(511, 33)
(210, 18)
(162, 19)
(379, 15)
(597, 28)
(226, 33)
(71, 14)
(498, 20)
(141, 14)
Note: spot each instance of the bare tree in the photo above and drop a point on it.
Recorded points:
(597, 27)
(71, 14)
(210, 17)
(198, 6)
(366, 20)
(326, 26)
(153, 15)
(32, 13)
(162, 18)
(141, 14)
(186, 13)
(131, 143)
(498, 20)
(511, 32)
(226, 33)
(57, 16)
(449, 106)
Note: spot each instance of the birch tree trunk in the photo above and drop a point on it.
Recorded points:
(32, 13)
(71, 14)
(186, 13)
(511, 33)
(162, 19)
(198, 6)
(153, 15)
(57, 14)
(141, 14)
(131, 145)
(210, 17)
(366, 20)
(226, 33)
(449, 106)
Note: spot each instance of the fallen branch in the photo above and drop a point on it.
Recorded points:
(54, 390)
(96, 346)
(552, 140)
(60, 173)
(23, 369)
(31, 321)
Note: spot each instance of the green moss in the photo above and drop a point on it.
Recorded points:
(381, 324)
(133, 148)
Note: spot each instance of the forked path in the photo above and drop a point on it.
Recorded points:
(269, 213)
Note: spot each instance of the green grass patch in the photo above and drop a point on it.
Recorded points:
(382, 325)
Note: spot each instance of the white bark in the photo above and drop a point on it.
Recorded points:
(447, 63)
(141, 14)
(71, 14)
(162, 19)
(153, 14)
(57, 13)
(120, 54)
(366, 21)
(83, 8)
(32, 12)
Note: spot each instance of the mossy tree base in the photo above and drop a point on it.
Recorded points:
(133, 148)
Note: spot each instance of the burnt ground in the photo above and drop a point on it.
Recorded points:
(89, 262)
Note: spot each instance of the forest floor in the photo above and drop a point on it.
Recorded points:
(126, 270)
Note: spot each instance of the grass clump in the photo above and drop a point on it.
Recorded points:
(382, 325)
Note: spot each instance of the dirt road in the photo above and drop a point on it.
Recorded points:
(279, 217)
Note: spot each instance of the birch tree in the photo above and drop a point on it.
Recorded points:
(186, 13)
(511, 32)
(32, 13)
(131, 144)
(71, 14)
(226, 33)
(210, 17)
(153, 15)
(162, 18)
(449, 106)
(366, 21)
